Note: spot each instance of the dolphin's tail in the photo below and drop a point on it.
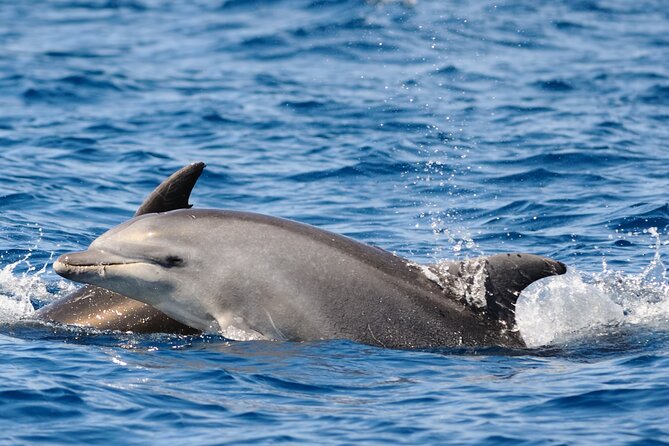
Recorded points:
(491, 285)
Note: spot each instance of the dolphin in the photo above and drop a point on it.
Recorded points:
(95, 307)
(270, 278)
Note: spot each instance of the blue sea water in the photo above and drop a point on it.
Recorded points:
(433, 129)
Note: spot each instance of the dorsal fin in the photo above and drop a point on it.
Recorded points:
(174, 192)
(492, 284)
(508, 275)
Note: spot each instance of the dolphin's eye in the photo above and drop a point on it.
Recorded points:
(172, 261)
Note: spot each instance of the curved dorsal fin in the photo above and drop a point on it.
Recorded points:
(174, 192)
(492, 284)
(508, 275)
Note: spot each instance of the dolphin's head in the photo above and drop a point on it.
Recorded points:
(149, 258)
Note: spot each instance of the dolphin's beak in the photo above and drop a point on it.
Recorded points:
(80, 265)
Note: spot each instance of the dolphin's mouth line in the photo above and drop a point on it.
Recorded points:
(86, 265)
(95, 265)
(67, 269)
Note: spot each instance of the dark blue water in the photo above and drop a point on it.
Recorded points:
(436, 130)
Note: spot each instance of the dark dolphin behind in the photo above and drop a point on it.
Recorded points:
(102, 309)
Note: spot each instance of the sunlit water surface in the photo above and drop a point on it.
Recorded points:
(436, 130)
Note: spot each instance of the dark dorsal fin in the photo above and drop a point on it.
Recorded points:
(491, 285)
(508, 275)
(174, 192)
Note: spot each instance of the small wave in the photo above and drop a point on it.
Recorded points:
(590, 6)
(555, 85)
(108, 4)
(327, 29)
(243, 4)
(39, 404)
(79, 87)
(83, 81)
(50, 95)
(359, 169)
(406, 126)
(602, 401)
(141, 156)
(216, 118)
(452, 73)
(447, 69)
(11, 201)
(306, 106)
(6, 142)
(644, 216)
(543, 177)
(523, 110)
(83, 54)
(656, 95)
(267, 41)
(567, 25)
(583, 158)
(69, 142)
(107, 128)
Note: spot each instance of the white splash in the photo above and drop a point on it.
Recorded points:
(17, 290)
(558, 308)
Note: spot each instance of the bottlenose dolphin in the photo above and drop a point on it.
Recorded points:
(271, 278)
(102, 309)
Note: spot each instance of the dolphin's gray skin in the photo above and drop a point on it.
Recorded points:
(99, 308)
(223, 271)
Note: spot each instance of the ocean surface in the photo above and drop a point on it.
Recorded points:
(433, 129)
